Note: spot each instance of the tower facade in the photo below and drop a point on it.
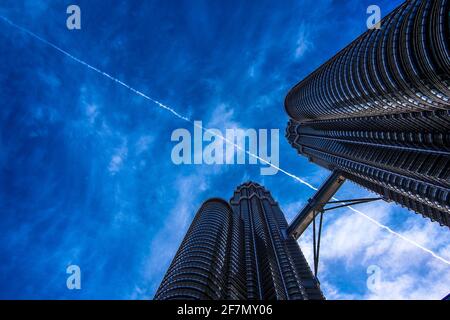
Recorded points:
(239, 250)
(379, 110)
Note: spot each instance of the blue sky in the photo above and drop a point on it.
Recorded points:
(86, 173)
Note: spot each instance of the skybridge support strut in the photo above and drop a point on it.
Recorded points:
(316, 206)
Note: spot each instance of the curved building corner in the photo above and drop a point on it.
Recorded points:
(379, 110)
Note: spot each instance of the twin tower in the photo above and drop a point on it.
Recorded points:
(239, 250)
(378, 113)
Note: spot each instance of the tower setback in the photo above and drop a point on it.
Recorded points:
(379, 110)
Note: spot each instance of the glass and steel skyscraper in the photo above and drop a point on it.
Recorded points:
(239, 250)
(379, 110)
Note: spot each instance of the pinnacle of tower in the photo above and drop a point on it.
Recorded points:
(249, 183)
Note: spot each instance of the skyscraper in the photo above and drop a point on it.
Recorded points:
(239, 250)
(379, 110)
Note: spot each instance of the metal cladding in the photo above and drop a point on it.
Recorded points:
(199, 269)
(379, 110)
(239, 251)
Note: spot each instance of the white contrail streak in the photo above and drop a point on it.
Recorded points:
(256, 156)
(178, 115)
(395, 233)
(94, 68)
(399, 235)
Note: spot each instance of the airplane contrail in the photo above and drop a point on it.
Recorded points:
(178, 115)
(399, 235)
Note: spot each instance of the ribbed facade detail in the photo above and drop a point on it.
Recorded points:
(201, 265)
(276, 267)
(379, 110)
(239, 251)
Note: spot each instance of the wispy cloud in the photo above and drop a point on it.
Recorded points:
(118, 158)
(304, 43)
(351, 245)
